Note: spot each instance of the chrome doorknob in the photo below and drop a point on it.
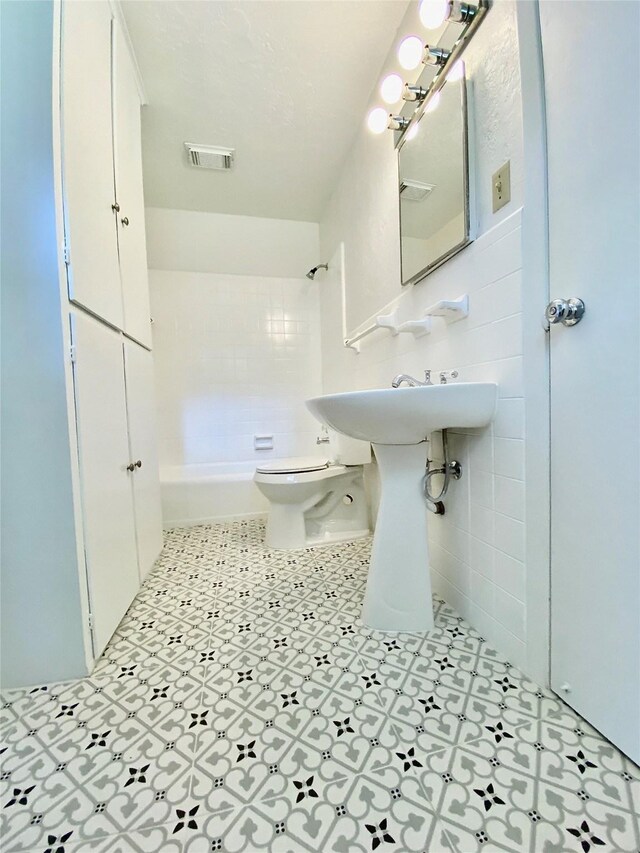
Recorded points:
(565, 311)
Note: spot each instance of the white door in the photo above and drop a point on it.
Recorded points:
(87, 160)
(128, 171)
(142, 417)
(106, 487)
(594, 209)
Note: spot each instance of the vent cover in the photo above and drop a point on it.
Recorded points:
(415, 190)
(209, 157)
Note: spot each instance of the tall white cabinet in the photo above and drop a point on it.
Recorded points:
(80, 522)
(118, 501)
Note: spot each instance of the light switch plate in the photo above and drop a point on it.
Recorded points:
(501, 186)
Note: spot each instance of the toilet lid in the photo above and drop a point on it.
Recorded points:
(295, 465)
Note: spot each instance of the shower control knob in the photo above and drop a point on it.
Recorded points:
(565, 311)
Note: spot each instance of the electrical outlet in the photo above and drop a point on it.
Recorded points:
(501, 186)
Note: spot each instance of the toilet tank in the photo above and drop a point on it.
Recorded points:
(348, 451)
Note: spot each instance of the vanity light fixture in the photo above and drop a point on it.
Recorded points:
(391, 88)
(414, 93)
(412, 52)
(434, 13)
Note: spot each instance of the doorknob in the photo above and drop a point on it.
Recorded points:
(138, 464)
(125, 220)
(131, 467)
(565, 311)
(115, 207)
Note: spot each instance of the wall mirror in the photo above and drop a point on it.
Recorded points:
(433, 166)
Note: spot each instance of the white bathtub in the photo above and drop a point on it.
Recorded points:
(200, 494)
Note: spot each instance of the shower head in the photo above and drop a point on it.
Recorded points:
(312, 272)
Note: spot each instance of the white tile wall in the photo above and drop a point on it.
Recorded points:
(477, 547)
(235, 356)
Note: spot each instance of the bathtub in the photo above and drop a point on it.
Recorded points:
(201, 494)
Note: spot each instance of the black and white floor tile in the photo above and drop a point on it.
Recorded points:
(243, 706)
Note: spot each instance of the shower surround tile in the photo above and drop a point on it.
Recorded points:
(243, 706)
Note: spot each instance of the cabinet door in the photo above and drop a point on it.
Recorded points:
(142, 418)
(128, 172)
(87, 159)
(106, 484)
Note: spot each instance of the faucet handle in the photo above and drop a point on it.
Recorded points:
(427, 377)
(445, 375)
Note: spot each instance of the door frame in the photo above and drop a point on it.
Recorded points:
(536, 365)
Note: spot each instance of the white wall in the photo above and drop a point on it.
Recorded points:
(478, 547)
(241, 245)
(236, 354)
(42, 637)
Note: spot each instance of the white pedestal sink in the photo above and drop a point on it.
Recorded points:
(398, 421)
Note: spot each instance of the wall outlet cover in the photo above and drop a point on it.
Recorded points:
(501, 186)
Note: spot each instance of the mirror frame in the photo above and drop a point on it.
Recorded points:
(468, 235)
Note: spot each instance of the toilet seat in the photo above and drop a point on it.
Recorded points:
(295, 465)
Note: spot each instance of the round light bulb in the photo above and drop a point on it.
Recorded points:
(433, 103)
(412, 132)
(377, 120)
(457, 71)
(391, 88)
(410, 52)
(433, 13)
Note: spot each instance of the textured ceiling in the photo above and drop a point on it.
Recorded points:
(284, 82)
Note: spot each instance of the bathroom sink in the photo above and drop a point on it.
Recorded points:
(406, 415)
(398, 422)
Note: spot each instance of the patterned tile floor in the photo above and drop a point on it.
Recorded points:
(243, 706)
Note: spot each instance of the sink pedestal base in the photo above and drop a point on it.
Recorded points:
(398, 595)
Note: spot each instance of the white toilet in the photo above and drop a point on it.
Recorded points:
(316, 500)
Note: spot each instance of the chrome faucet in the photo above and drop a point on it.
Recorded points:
(401, 378)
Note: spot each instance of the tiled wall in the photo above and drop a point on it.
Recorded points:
(235, 356)
(478, 546)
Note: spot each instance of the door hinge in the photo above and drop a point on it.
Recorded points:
(66, 253)
(72, 353)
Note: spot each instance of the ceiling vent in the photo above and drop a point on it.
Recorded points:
(415, 190)
(209, 157)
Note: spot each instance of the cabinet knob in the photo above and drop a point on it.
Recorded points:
(115, 207)
(125, 220)
(131, 467)
(138, 464)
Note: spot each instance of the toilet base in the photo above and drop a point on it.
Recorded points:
(330, 510)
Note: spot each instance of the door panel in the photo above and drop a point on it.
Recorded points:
(594, 191)
(142, 418)
(128, 171)
(87, 160)
(106, 488)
